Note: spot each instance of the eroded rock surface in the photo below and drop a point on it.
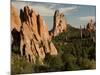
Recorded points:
(91, 26)
(31, 35)
(60, 24)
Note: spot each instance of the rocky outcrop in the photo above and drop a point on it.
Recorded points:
(15, 29)
(60, 24)
(91, 26)
(15, 23)
(30, 32)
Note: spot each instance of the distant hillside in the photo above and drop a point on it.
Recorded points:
(76, 52)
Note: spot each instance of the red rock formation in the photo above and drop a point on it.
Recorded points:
(34, 36)
(91, 26)
(60, 24)
(15, 23)
(40, 22)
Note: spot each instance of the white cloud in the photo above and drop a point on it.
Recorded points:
(53, 6)
(46, 10)
(49, 11)
(43, 10)
(87, 18)
(64, 9)
(20, 5)
(69, 9)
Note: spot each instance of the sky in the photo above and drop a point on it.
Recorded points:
(75, 15)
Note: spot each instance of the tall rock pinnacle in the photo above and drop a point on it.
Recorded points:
(60, 24)
(33, 33)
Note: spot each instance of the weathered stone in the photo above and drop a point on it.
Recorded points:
(34, 36)
(60, 24)
(15, 22)
(91, 26)
(53, 50)
(40, 25)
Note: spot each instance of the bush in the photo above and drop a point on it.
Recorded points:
(85, 63)
(54, 62)
(20, 65)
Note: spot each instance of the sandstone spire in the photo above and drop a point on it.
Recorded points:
(34, 36)
(60, 24)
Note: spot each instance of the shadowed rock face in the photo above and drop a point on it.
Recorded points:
(60, 24)
(31, 33)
